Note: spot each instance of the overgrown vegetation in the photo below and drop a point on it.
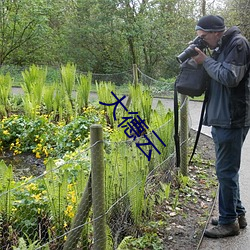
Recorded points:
(36, 211)
(107, 36)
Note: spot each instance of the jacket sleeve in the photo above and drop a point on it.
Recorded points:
(230, 70)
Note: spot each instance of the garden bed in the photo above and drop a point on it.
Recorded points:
(178, 222)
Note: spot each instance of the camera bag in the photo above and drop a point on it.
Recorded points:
(192, 79)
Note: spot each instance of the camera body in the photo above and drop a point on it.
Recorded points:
(190, 51)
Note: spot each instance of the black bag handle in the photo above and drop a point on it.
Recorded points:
(176, 126)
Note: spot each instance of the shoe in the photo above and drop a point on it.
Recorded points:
(221, 231)
(241, 219)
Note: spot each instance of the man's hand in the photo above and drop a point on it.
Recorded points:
(200, 58)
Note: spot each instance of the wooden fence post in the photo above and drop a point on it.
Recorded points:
(135, 75)
(98, 195)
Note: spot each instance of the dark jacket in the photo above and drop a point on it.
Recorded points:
(228, 103)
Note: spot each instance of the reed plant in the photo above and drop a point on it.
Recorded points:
(141, 101)
(162, 122)
(48, 98)
(127, 168)
(68, 75)
(62, 106)
(83, 91)
(5, 90)
(6, 184)
(56, 184)
(104, 90)
(34, 80)
(126, 171)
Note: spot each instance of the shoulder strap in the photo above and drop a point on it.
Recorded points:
(199, 127)
(176, 127)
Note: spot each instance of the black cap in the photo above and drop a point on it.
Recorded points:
(210, 23)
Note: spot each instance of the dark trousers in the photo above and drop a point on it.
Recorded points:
(228, 145)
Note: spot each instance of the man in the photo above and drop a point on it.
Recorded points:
(228, 112)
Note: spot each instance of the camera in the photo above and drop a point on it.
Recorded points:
(190, 51)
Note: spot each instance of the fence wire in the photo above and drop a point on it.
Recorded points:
(40, 212)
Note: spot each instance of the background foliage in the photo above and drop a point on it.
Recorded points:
(106, 36)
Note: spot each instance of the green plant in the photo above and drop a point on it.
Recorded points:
(144, 106)
(5, 90)
(29, 244)
(162, 122)
(34, 81)
(147, 241)
(43, 137)
(6, 196)
(83, 91)
(104, 90)
(30, 207)
(176, 199)
(68, 74)
(48, 98)
(164, 191)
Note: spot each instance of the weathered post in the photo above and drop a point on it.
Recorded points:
(135, 82)
(98, 195)
(135, 74)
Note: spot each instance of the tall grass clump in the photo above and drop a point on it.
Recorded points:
(104, 90)
(141, 100)
(83, 91)
(68, 74)
(127, 167)
(48, 98)
(5, 90)
(162, 122)
(34, 80)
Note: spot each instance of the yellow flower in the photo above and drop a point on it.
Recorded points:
(14, 209)
(31, 187)
(38, 156)
(37, 196)
(73, 199)
(69, 211)
(6, 132)
(45, 151)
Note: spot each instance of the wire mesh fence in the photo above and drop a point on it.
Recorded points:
(56, 209)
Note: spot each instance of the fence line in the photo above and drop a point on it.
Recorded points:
(166, 165)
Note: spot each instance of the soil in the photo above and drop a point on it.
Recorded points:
(25, 164)
(186, 223)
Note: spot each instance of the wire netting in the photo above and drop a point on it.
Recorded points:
(44, 209)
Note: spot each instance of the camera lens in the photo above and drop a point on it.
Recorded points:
(187, 53)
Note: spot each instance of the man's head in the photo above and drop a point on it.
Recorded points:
(211, 28)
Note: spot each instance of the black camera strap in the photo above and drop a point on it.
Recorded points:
(199, 127)
(176, 126)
